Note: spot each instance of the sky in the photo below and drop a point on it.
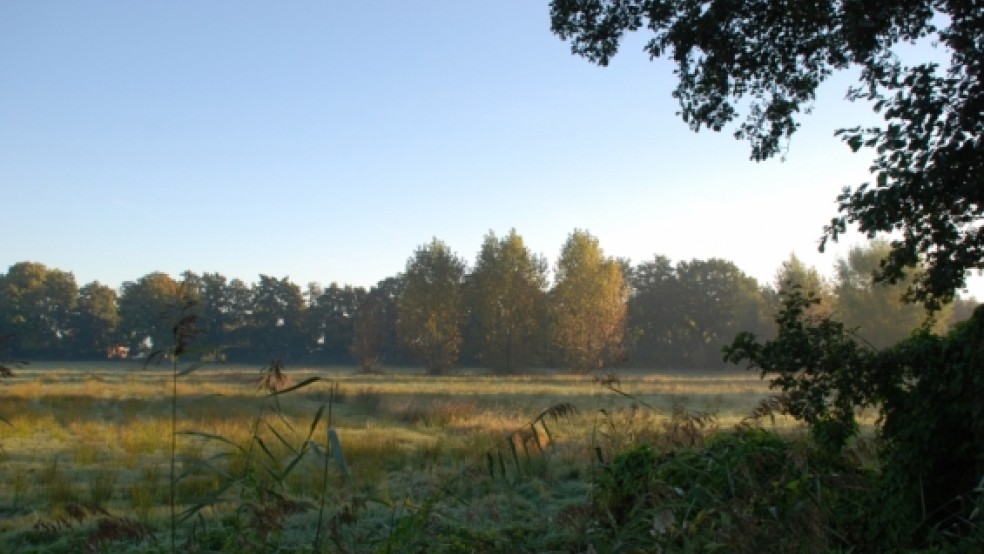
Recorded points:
(326, 141)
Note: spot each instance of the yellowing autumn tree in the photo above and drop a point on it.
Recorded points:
(587, 305)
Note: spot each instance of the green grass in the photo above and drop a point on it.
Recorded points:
(452, 454)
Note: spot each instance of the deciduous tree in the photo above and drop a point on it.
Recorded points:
(653, 314)
(587, 305)
(681, 316)
(374, 325)
(36, 305)
(431, 307)
(717, 301)
(874, 310)
(507, 293)
(149, 308)
(276, 328)
(794, 274)
(330, 320)
(95, 321)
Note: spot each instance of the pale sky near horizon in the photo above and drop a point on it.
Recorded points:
(325, 141)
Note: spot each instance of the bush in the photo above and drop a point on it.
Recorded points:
(928, 389)
(745, 491)
(931, 390)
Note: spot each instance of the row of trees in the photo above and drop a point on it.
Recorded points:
(503, 314)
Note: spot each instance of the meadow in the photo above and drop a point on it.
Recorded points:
(347, 462)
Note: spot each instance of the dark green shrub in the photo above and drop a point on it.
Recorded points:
(820, 368)
(930, 393)
(744, 491)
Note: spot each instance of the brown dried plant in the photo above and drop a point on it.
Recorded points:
(109, 528)
(270, 516)
(272, 378)
(767, 408)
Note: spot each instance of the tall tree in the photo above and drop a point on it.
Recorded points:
(277, 319)
(374, 325)
(212, 301)
(149, 307)
(431, 308)
(794, 274)
(237, 320)
(330, 318)
(36, 305)
(682, 316)
(216, 310)
(875, 311)
(653, 314)
(95, 321)
(717, 301)
(587, 305)
(507, 297)
(769, 58)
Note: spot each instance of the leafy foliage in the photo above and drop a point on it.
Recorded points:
(928, 389)
(507, 292)
(330, 317)
(142, 304)
(95, 320)
(277, 319)
(928, 178)
(745, 491)
(587, 305)
(876, 310)
(680, 316)
(431, 308)
(819, 368)
(36, 306)
(769, 58)
(793, 273)
(374, 324)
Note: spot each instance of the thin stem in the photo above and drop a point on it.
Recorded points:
(174, 448)
(324, 475)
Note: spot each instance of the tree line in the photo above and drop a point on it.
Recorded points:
(504, 313)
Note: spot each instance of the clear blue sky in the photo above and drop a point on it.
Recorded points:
(325, 141)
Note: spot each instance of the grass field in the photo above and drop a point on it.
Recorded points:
(90, 443)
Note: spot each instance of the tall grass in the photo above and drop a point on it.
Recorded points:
(218, 460)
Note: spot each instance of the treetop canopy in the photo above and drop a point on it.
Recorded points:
(767, 58)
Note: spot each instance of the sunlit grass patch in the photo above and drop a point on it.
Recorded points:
(143, 436)
(32, 423)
